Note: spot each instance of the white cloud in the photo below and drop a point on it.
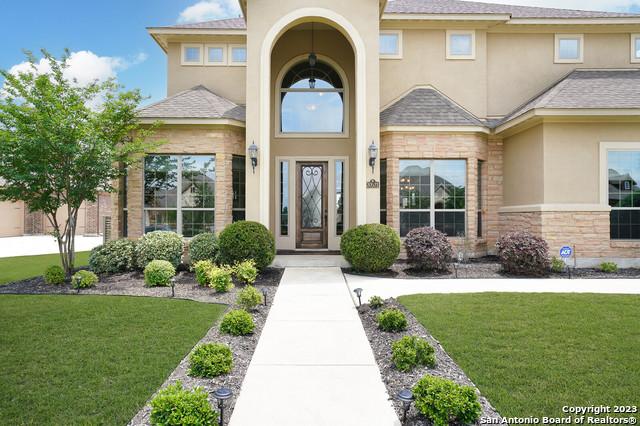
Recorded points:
(207, 10)
(604, 5)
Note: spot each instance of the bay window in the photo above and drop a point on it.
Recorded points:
(179, 193)
(433, 193)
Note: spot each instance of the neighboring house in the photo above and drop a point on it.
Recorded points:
(516, 114)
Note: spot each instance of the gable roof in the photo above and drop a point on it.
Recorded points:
(469, 7)
(587, 89)
(426, 106)
(197, 102)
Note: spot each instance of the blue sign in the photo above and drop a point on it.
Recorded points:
(566, 252)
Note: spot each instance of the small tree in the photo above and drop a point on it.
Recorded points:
(58, 149)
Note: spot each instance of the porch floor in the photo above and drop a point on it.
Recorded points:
(308, 260)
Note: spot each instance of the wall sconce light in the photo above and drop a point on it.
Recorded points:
(222, 395)
(253, 154)
(373, 155)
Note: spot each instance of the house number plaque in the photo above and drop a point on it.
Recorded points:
(373, 184)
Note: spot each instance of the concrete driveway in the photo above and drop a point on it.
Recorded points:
(41, 244)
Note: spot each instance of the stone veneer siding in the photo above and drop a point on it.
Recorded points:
(396, 146)
(224, 142)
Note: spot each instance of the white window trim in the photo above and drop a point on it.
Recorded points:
(451, 56)
(398, 55)
(605, 148)
(224, 54)
(556, 49)
(232, 63)
(183, 47)
(634, 59)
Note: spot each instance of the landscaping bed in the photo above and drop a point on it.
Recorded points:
(396, 380)
(488, 267)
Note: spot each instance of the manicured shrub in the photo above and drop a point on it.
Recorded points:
(609, 267)
(428, 249)
(246, 271)
(237, 323)
(243, 240)
(54, 275)
(203, 247)
(412, 351)
(370, 248)
(202, 269)
(210, 360)
(176, 406)
(158, 273)
(159, 245)
(376, 302)
(445, 402)
(219, 278)
(84, 279)
(249, 297)
(114, 256)
(392, 319)
(522, 253)
(557, 265)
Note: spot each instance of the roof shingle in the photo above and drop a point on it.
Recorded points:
(219, 24)
(197, 102)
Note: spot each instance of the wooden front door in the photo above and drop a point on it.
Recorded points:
(311, 205)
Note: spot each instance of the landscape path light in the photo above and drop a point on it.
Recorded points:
(222, 394)
(358, 292)
(406, 397)
(264, 295)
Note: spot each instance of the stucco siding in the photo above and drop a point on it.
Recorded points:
(524, 168)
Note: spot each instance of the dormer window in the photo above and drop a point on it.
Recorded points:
(191, 54)
(569, 48)
(461, 44)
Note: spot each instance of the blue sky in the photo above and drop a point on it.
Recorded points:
(111, 39)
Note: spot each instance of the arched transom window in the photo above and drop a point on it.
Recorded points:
(312, 99)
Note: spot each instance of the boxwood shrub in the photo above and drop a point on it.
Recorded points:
(159, 245)
(249, 297)
(244, 240)
(609, 267)
(428, 249)
(210, 360)
(203, 247)
(237, 323)
(376, 302)
(174, 406)
(54, 275)
(392, 320)
(445, 402)
(114, 256)
(370, 248)
(158, 273)
(522, 253)
(84, 279)
(412, 351)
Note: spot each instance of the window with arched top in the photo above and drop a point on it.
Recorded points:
(312, 99)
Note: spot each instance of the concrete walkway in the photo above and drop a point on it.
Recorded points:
(313, 365)
(41, 244)
(389, 287)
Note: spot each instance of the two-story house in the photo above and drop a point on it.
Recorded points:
(314, 116)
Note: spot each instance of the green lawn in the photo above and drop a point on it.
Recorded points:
(531, 354)
(22, 267)
(91, 359)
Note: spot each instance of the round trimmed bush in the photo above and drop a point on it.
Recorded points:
(244, 240)
(237, 323)
(522, 253)
(158, 273)
(176, 406)
(370, 248)
(412, 351)
(445, 402)
(54, 275)
(428, 249)
(210, 360)
(392, 320)
(203, 247)
(159, 245)
(114, 256)
(84, 279)
(249, 297)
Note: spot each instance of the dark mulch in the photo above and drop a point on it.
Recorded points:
(396, 380)
(487, 267)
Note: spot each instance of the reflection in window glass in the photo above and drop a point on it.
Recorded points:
(339, 197)
(389, 44)
(284, 198)
(460, 44)
(569, 48)
(624, 194)
(239, 187)
(383, 192)
(192, 54)
(432, 193)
